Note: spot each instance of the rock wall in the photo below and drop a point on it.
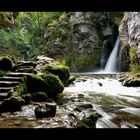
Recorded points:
(88, 31)
(129, 31)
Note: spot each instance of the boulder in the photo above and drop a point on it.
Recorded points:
(44, 111)
(11, 104)
(46, 64)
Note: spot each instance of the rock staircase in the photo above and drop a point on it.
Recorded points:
(12, 79)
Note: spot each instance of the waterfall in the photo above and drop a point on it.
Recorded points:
(103, 55)
(111, 65)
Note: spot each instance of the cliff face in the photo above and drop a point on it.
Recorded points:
(88, 31)
(129, 31)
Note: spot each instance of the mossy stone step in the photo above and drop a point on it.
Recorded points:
(27, 63)
(8, 83)
(16, 74)
(5, 89)
(4, 95)
(8, 78)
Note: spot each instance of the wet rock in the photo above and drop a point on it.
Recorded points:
(71, 79)
(130, 79)
(44, 111)
(100, 84)
(11, 104)
(79, 108)
(39, 96)
(89, 121)
(46, 64)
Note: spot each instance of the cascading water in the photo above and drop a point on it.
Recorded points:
(103, 54)
(111, 65)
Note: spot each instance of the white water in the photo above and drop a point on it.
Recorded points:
(112, 89)
(111, 65)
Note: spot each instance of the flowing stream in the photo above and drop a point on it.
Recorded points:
(118, 105)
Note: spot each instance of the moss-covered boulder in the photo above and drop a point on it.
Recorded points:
(60, 70)
(46, 64)
(54, 84)
(35, 83)
(39, 97)
(6, 63)
(11, 104)
(27, 98)
(47, 83)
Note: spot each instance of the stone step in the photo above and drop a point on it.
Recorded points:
(4, 95)
(5, 89)
(27, 63)
(27, 70)
(14, 79)
(16, 74)
(25, 67)
(8, 83)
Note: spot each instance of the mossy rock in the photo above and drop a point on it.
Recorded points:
(6, 63)
(39, 97)
(3, 73)
(89, 121)
(35, 83)
(60, 70)
(130, 79)
(54, 84)
(27, 98)
(44, 111)
(71, 79)
(11, 104)
(48, 83)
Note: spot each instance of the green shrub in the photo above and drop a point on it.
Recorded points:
(60, 70)
(6, 63)
(39, 97)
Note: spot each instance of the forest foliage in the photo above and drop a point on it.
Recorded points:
(30, 34)
(33, 33)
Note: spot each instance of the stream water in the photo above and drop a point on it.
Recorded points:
(118, 106)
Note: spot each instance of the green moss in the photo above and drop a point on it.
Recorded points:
(54, 84)
(60, 70)
(35, 83)
(27, 98)
(39, 97)
(22, 87)
(48, 83)
(71, 79)
(3, 73)
(134, 68)
(6, 63)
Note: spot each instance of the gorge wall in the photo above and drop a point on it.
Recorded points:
(129, 31)
(88, 30)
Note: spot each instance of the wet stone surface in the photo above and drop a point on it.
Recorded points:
(118, 106)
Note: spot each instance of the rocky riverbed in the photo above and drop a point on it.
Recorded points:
(89, 99)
